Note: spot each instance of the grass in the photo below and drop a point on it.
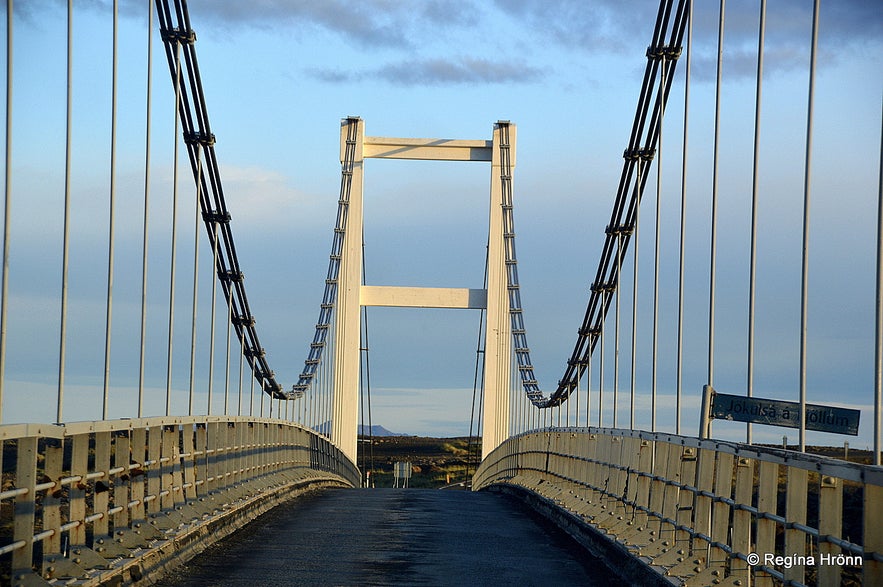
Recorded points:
(435, 462)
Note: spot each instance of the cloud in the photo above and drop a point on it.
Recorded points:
(439, 71)
(602, 25)
(622, 26)
(844, 27)
(612, 24)
(365, 23)
(260, 198)
(425, 35)
(605, 25)
(465, 70)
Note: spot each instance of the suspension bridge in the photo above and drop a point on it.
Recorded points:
(736, 298)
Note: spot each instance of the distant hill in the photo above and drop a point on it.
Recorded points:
(376, 430)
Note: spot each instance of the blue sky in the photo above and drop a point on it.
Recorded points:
(278, 77)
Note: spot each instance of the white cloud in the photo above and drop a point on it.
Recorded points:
(265, 199)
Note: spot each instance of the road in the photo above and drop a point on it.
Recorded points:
(396, 537)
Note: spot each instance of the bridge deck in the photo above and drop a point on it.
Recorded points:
(389, 536)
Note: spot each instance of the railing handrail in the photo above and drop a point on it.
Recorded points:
(847, 470)
(30, 429)
(83, 483)
(674, 499)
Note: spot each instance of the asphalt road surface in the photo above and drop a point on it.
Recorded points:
(396, 537)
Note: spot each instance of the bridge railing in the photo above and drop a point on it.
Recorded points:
(706, 511)
(78, 496)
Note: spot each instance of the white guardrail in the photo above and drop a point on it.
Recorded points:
(90, 500)
(703, 512)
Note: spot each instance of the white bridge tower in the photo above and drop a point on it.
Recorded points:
(355, 147)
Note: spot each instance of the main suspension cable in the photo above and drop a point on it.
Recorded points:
(662, 58)
(197, 134)
(320, 337)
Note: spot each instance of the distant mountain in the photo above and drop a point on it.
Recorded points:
(376, 430)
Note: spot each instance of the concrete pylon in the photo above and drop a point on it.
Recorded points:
(347, 324)
(498, 334)
(352, 295)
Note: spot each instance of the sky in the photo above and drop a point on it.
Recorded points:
(278, 77)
